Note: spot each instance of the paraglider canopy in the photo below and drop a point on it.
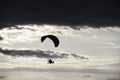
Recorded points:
(53, 38)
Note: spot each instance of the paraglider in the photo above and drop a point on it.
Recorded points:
(55, 41)
(50, 61)
(53, 38)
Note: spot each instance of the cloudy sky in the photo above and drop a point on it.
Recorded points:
(88, 31)
(62, 12)
(82, 52)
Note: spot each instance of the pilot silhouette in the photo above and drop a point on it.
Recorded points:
(50, 61)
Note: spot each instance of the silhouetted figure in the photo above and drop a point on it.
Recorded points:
(50, 61)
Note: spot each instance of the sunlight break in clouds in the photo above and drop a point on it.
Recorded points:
(81, 40)
(99, 45)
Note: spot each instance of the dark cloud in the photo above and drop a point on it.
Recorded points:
(113, 79)
(1, 38)
(2, 77)
(39, 54)
(77, 56)
(60, 12)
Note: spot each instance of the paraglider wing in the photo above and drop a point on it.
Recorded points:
(53, 38)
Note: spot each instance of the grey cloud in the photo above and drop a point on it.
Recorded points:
(2, 77)
(60, 12)
(115, 64)
(77, 56)
(113, 79)
(39, 54)
(59, 69)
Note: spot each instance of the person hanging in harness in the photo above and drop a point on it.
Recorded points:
(50, 61)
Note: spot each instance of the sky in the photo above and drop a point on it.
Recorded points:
(88, 31)
(85, 53)
(60, 12)
(84, 39)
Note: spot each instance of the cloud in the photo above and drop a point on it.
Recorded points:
(56, 12)
(3, 77)
(112, 45)
(69, 69)
(116, 47)
(114, 65)
(109, 43)
(35, 30)
(40, 54)
(72, 40)
(87, 76)
(28, 34)
(3, 59)
(113, 79)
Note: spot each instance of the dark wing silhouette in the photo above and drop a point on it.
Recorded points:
(53, 38)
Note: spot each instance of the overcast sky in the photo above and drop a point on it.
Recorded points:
(60, 12)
